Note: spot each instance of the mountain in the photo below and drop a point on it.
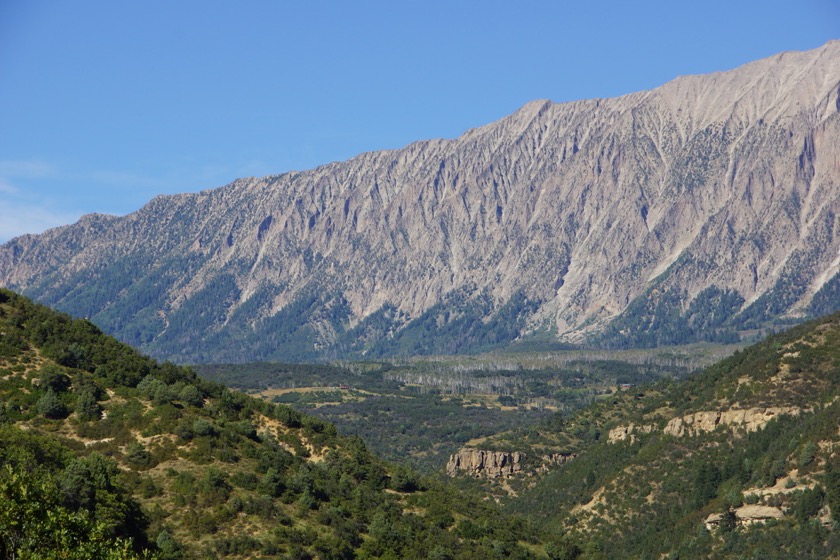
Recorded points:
(106, 454)
(703, 208)
(740, 461)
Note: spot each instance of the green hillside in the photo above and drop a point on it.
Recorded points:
(740, 461)
(105, 453)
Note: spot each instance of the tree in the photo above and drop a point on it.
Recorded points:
(706, 482)
(808, 503)
(191, 395)
(562, 551)
(168, 547)
(50, 406)
(728, 521)
(137, 455)
(832, 495)
(34, 524)
(86, 406)
(404, 480)
(53, 378)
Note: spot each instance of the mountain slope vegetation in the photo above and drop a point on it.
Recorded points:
(740, 461)
(105, 453)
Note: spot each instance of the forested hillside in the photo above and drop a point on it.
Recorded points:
(105, 453)
(741, 461)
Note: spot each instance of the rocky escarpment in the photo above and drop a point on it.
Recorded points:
(706, 205)
(746, 420)
(696, 423)
(481, 463)
(628, 432)
(746, 515)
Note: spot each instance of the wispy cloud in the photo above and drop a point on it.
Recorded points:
(20, 212)
(18, 218)
(6, 188)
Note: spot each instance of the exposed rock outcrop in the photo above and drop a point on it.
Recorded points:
(747, 419)
(553, 459)
(622, 433)
(736, 419)
(747, 515)
(480, 463)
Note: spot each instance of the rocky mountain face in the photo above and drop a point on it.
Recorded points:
(703, 207)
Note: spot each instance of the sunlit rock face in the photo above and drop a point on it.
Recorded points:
(482, 463)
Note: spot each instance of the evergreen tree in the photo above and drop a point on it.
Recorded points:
(50, 406)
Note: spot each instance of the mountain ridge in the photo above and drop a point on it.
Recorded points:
(709, 201)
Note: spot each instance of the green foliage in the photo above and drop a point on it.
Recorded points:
(808, 503)
(827, 298)
(209, 461)
(706, 481)
(35, 524)
(656, 318)
(87, 408)
(649, 497)
(204, 462)
(420, 412)
(832, 493)
(790, 286)
(458, 325)
(404, 480)
(51, 406)
(169, 548)
(190, 395)
(728, 521)
(52, 378)
(137, 456)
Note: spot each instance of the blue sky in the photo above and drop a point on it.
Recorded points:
(104, 105)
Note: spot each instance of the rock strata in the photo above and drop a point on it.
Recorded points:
(487, 464)
(621, 433)
(735, 419)
(553, 459)
(745, 419)
(481, 463)
(747, 515)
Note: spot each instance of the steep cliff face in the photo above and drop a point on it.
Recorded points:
(708, 203)
(737, 420)
(481, 463)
